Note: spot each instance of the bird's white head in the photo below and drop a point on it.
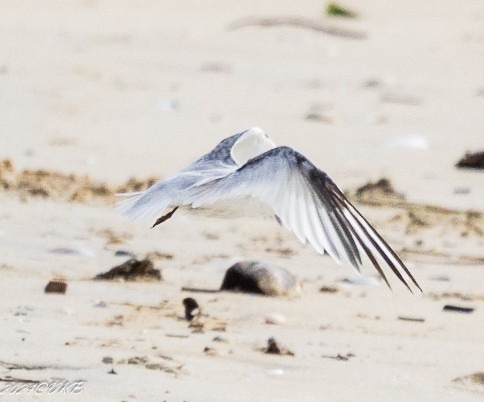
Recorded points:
(250, 144)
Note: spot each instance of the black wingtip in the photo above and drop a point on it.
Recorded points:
(353, 211)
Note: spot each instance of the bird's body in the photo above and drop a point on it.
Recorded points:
(246, 174)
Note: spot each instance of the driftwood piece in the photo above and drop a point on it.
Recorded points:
(298, 22)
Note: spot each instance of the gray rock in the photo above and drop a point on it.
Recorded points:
(260, 278)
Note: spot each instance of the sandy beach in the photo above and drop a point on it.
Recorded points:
(96, 92)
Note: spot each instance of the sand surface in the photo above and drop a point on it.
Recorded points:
(108, 90)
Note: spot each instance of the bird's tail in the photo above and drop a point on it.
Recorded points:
(140, 205)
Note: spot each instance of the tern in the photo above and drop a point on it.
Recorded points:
(247, 174)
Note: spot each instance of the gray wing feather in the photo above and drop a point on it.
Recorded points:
(151, 203)
(308, 203)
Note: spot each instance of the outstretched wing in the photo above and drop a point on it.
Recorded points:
(149, 204)
(309, 204)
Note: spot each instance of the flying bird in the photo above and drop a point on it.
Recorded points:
(247, 174)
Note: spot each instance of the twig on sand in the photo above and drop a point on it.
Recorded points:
(20, 380)
(199, 290)
(339, 356)
(298, 22)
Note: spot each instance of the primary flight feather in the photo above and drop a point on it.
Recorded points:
(247, 174)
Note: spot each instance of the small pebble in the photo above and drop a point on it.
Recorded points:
(274, 348)
(124, 253)
(191, 308)
(328, 289)
(210, 351)
(56, 287)
(275, 319)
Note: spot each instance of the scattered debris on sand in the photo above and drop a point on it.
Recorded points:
(451, 295)
(381, 189)
(337, 10)
(198, 290)
(298, 22)
(339, 357)
(56, 287)
(259, 278)
(411, 319)
(133, 184)
(200, 322)
(69, 187)
(402, 99)
(192, 308)
(203, 322)
(418, 218)
(274, 348)
(114, 238)
(472, 160)
(458, 309)
(18, 380)
(133, 270)
(124, 253)
(158, 255)
(107, 360)
(173, 367)
(328, 289)
(210, 351)
(475, 380)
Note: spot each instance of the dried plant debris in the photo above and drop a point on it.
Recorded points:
(259, 278)
(475, 379)
(203, 322)
(158, 255)
(274, 348)
(134, 184)
(113, 237)
(472, 160)
(418, 217)
(451, 295)
(328, 289)
(380, 189)
(56, 287)
(133, 270)
(69, 187)
(337, 10)
(107, 360)
(173, 367)
(298, 22)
